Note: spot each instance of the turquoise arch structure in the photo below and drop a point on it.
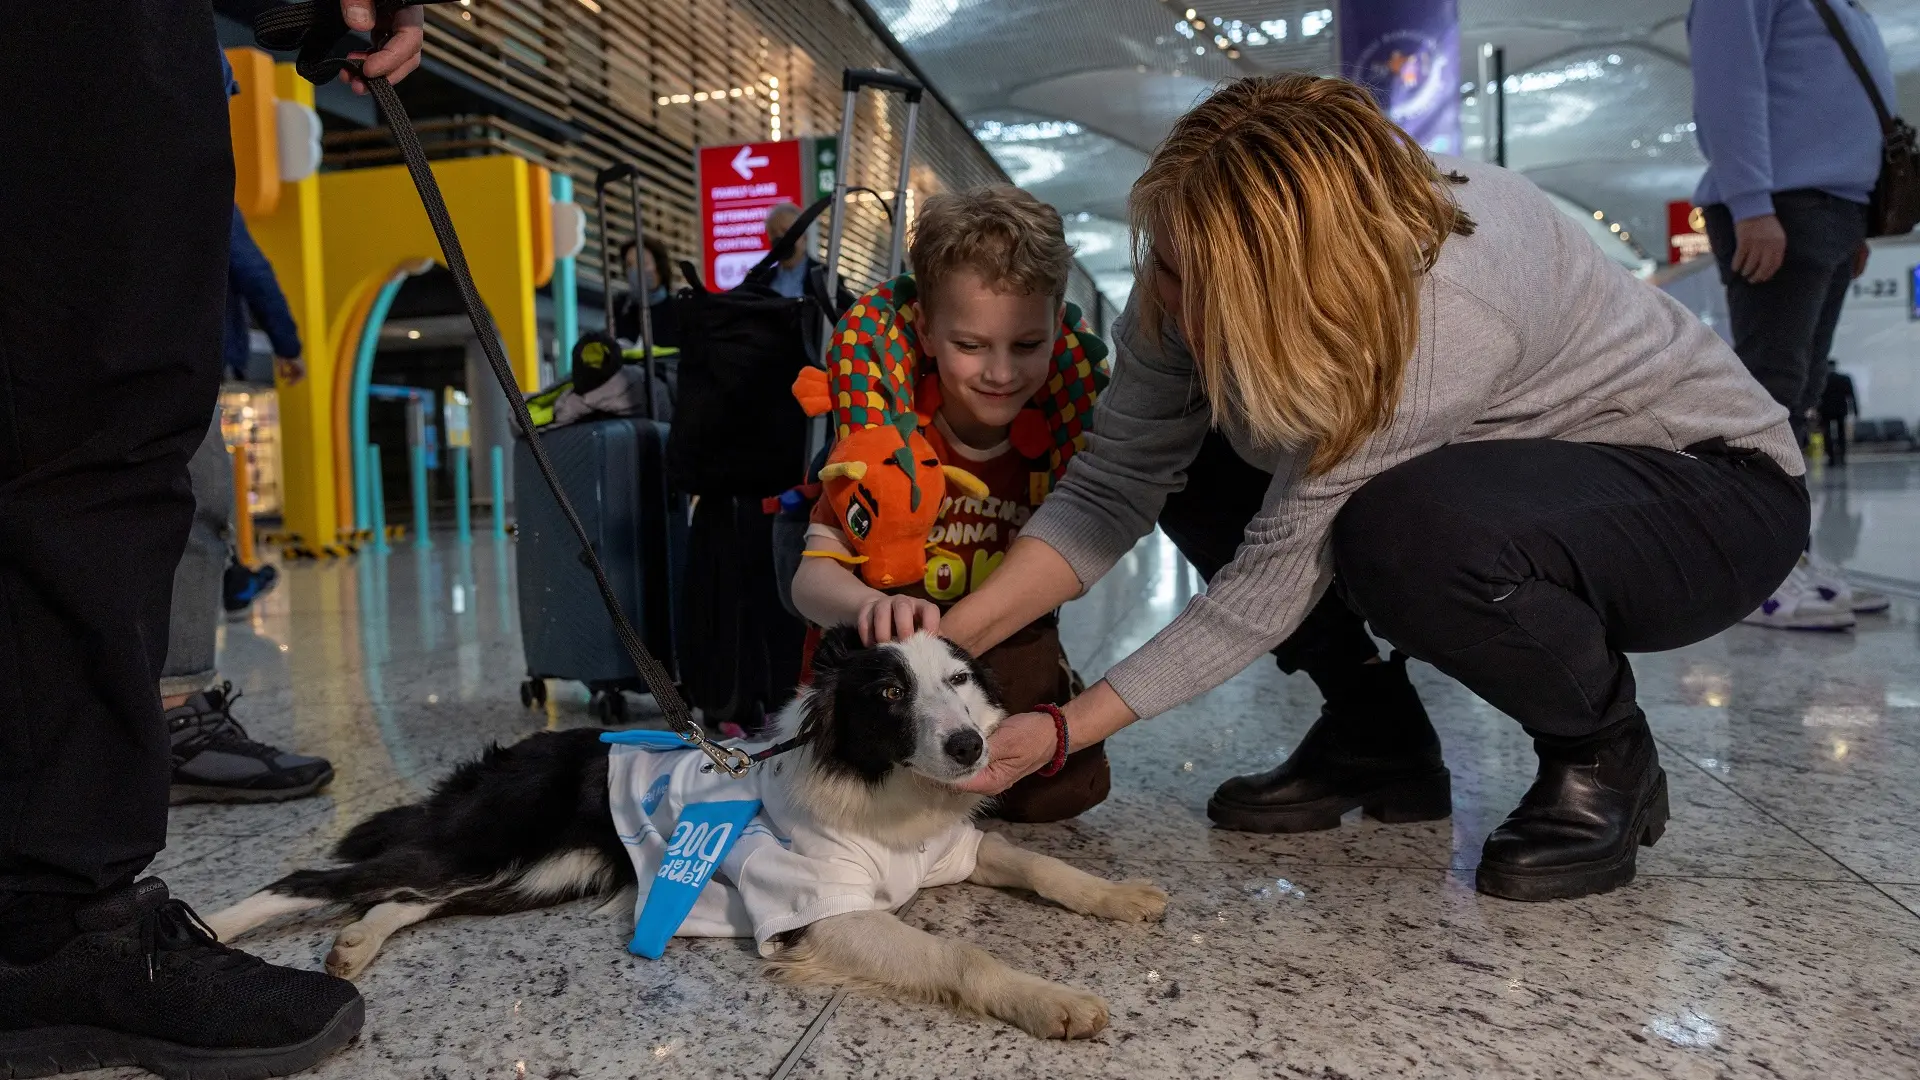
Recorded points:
(357, 399)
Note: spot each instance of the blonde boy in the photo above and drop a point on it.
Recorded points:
(991, 268)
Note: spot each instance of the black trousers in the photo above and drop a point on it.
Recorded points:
(1836, 431)
(1783, 327)
(116, 187)
(1527, 569)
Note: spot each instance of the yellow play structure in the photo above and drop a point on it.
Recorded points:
(340, 243)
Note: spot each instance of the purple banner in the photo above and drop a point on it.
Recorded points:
(1408, 53)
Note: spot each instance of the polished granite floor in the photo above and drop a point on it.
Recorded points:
(1774, 932)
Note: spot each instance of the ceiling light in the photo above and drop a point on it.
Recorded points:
(1312, 22)
(1037, 131)
(413, 335)
(1027, 165)
(1599, 215)
(917, 18)
(1534, 81)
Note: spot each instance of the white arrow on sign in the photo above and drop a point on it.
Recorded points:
(744, 162)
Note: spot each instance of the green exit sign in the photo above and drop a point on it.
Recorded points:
(824, 154)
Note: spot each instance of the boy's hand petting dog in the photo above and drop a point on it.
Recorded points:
(896, 618)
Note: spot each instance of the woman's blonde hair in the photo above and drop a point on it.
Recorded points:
(1302, 220)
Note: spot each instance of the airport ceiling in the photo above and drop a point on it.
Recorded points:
(1072, 95)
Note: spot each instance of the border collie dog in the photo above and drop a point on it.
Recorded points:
(888, 729)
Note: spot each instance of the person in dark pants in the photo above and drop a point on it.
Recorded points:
(115, 201)
(1793, 149)
(1783, 322)
(1441, 412)
(1837, 403)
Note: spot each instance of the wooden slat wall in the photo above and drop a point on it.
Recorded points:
(604, 66)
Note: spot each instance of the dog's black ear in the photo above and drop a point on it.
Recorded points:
(837, 643)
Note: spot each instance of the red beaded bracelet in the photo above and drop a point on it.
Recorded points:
(1060, 732)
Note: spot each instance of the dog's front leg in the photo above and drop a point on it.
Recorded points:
(1003, 865)
(876, 949)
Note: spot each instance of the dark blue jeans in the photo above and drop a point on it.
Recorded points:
(1783, 327)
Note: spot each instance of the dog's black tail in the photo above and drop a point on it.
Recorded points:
(375, 835)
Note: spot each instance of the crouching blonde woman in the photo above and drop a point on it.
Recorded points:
(1358, 384)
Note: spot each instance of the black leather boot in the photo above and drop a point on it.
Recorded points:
(1373, 747)
(1594, 803)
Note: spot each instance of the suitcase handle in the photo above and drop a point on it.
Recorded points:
(853, 80)
(602, 180)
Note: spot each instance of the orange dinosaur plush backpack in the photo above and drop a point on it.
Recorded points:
(885, 485)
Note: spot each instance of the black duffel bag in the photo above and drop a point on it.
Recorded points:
(1894, 207)
(737, 429)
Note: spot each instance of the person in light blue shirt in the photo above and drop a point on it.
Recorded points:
(1793, 149)
(790, 275)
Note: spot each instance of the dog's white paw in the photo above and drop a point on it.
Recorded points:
(352, 951)
(1050, 1011)
(1130, 901)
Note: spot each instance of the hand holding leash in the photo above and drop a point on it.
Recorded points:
(397, 35)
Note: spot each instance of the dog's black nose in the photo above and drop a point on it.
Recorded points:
(965, 746)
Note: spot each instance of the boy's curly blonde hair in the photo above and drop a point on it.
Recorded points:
(1013, 241)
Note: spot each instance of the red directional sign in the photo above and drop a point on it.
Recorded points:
(738, 185)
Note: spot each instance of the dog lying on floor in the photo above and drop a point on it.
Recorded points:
(862, 813)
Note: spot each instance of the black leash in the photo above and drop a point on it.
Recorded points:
(317, 29)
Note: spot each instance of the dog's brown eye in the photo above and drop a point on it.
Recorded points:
(958, 678)
(893, 693)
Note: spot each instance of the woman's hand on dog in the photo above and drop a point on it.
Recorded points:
(896, 618)
(1022, 744)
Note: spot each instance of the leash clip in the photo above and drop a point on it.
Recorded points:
(734, 760)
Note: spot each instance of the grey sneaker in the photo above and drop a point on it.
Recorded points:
(214, 761)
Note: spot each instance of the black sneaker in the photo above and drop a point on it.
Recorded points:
(243, 584)
(214, 761)
(145, 983)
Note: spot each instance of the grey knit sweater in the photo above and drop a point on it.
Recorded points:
(1527, 331)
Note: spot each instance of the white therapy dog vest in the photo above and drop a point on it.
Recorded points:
(783, 872)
